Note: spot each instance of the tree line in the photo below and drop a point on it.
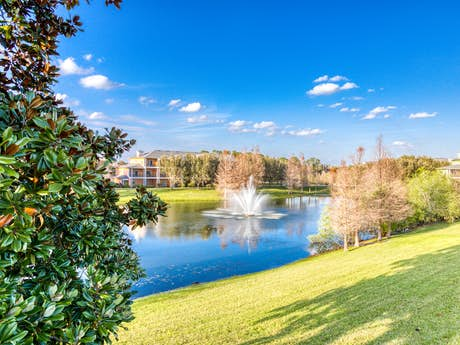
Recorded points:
(387, 194)
(232, 169)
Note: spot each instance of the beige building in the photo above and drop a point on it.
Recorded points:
(143, 169)
(453, 169)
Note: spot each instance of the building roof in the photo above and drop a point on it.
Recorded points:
(451, 167)
(161, 153)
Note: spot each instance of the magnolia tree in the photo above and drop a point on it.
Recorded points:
(66, 264)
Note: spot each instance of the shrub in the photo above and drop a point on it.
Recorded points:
(326, 239)
(434, 197)
(66, 263)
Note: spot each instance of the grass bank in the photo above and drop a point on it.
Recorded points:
(208, 194)
(402, 291)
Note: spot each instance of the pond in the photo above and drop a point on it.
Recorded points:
(188, 248)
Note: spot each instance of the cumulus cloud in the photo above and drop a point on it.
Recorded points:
(422, 115)
(197, 119)
(370, 90)
(325, 78)
(66, 100)
(174, 103)
(240, 126)
(264, 125)
(348, 86)
(97, 115)
(338, 78)
(191, 107)
(377, 111)
(349, 110)
(304, 132)
(335, 105)
(402, 144)
(321, 79)
(69, 66)
(325, 89)
(99, 82)
(145, 100)
(61, 96)
(109, 100)
(88, 57)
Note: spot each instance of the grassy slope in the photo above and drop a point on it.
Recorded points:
(402, 291)
(195, 194)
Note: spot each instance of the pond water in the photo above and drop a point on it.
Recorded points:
(187, 247)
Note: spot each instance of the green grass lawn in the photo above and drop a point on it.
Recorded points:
(402, 291)
(205, 194)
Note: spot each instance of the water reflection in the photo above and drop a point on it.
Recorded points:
(187, 247)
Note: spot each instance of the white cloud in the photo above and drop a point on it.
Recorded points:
(88, 57)
(356, 98)
(349, 110)
(320, 105)
(338, 78)
(191, 107)
(422, 115)
(377, 111)
(402, 144)
(335, 105)
(330, 88)
(239, 126)
(386, 116)
(304, 132)
(324, 89)
(370, 90)
(109, 100)
(321, 79)
(69, 66)
(145, 100)
(264, 125)
(99, 82)
(174, 103)
(97, 115)
(66, 101)
(348, 86)
(325, 78)
(61, 96)
(197, 119)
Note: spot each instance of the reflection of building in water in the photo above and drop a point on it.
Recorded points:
(245, 232)
(305, 202)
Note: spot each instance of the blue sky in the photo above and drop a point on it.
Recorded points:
(316, 77)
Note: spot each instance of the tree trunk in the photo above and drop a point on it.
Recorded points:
(389, 231)
(379, 232)
(345, 242)
(356, 238)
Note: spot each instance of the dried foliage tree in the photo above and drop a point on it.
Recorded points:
(226, 173)
(348, 211)
(385, 192)
(66, 264)
(249, 164)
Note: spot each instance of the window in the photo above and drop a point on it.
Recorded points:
(149, 174)
(136, 173)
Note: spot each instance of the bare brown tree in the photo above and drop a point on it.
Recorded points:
(386, 193)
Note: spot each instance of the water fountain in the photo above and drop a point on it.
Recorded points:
(247, 202)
